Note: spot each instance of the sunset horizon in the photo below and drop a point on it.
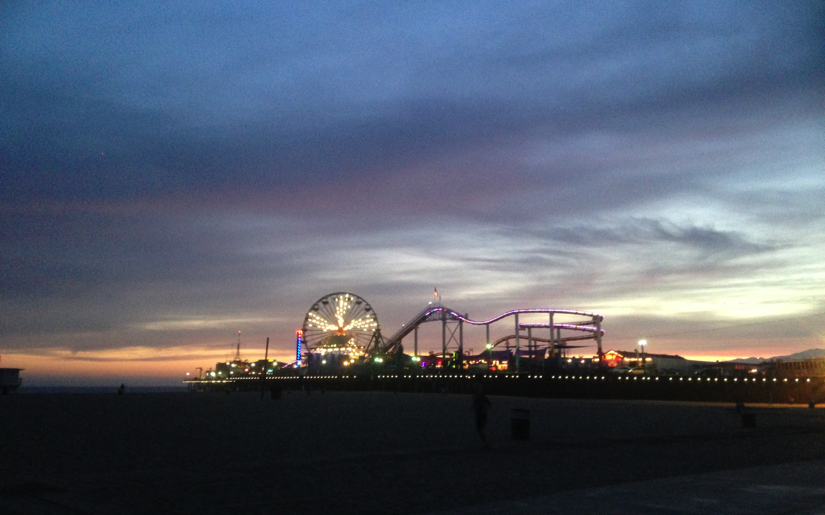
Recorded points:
(173, 173)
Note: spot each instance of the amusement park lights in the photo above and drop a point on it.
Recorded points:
(321, 324)
(339, 323)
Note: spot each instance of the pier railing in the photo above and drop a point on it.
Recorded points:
(778, 390)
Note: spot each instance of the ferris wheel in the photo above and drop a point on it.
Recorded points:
(340, 323)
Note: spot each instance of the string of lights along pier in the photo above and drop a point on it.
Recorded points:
(340, 339)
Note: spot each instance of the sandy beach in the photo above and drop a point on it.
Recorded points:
(347, 452)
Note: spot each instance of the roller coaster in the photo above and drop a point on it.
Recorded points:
(343, 323)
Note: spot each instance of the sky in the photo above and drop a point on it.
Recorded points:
(172, 173)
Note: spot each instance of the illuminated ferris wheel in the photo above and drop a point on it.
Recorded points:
(340, 323)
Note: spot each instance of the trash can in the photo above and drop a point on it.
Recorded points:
(748, 420)
(520, 424)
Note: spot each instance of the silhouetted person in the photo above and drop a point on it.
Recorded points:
(481, 405)
(275, 391)
(122, 389)
(304, 385)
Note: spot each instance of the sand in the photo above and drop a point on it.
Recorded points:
(346, 452)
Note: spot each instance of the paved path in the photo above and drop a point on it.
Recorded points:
(797, 488)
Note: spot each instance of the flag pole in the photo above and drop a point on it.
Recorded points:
(266, 366)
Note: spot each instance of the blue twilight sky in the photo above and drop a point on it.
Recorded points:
(174, 172)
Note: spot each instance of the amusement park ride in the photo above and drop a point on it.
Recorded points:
(344, 327)
(341, 333)
(340, 345)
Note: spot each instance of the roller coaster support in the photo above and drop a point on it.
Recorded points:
(518, 363)
(461, 336)
(487, 345)
(530, 344)
(443, 340)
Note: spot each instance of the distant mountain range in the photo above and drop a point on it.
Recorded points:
(805, 354)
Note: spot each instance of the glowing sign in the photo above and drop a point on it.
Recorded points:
(613, 358)
(300, 339)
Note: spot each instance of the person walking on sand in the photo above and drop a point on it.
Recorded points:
(481, 405)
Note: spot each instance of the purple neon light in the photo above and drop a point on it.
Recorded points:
(429, 311)
(572, 327)
(509, 313)
(514, 311)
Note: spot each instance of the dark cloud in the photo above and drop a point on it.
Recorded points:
(155, 93)
(706, 240)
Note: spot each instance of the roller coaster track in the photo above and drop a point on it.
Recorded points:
(435, 313)
(559, 344)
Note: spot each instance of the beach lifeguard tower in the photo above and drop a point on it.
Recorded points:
(9, 380)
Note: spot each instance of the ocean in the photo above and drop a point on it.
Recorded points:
(100, 389)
